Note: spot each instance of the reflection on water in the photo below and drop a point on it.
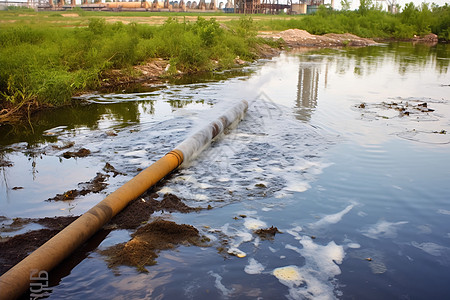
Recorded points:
(308, 85)
(358, 188)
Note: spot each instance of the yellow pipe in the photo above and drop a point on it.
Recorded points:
(17, 280)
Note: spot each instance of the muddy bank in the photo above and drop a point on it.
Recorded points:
(138, 211)
(148, 241)
(15, 248)
(300, 38)
(96, 185)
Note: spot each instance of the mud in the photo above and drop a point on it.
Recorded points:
(96, 185)
(14, 249)
(300, 38)
(65, 146)
(142, 250)
(150, 72)
(108, 168)
(160, 234)
(5, 163)
(267, 233)
(83, 152)
(138, 211)
(430, 39)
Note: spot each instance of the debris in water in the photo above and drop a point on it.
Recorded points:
(5, 163)
(138, 211)
(108, 168)
(111, 133)
(66, 145)
(14, 249)
(441, 132)
(147, 241)
(96, 185)
(267, 233)
(83, 152)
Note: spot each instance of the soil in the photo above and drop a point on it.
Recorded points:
(147, 241)
(5, 163)
(138, 211)
(96, 185)
(265, 51)
(161, 234)
(83, 152)
(267, 233)
(300, 38)
(151, 71)
(16, 248)
(108, 168)
(428, 39)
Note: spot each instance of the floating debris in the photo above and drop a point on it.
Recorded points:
(5, 163)
(142, 250)
(288, 274)
(83, 152)
(110, 169)
(96, 185)
(267, 233)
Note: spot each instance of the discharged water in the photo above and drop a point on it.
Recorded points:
(346, 152)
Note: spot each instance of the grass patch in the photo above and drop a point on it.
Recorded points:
(46, 65)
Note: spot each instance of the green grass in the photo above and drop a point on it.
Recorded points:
(373, 23)
(47, 65)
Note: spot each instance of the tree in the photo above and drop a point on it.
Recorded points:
(365, 5)
(346, 4)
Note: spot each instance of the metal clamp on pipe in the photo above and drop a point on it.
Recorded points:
(17, 279)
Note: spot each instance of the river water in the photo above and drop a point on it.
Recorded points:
(346, 152)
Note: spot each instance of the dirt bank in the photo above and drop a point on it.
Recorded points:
(295, 38)
(147, 241)
(14, 249)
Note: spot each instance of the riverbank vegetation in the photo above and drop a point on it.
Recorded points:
(371, 22)
(47, 57)
(47, 65)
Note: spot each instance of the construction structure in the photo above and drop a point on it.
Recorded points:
(155, 5)
(228, 6)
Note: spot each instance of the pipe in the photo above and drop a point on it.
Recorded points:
(17, 279)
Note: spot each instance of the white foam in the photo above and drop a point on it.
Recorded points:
(331, 219)
(383, 229)
(431, 248)
(254, 224)
(258, 150)
(314, 279)
(166, 190)
(353, 245)
(444, 212)
(219, 285)
(237, 252)
(298, 186)
(253, 267)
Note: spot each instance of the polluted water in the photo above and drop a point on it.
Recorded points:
(333, 185)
